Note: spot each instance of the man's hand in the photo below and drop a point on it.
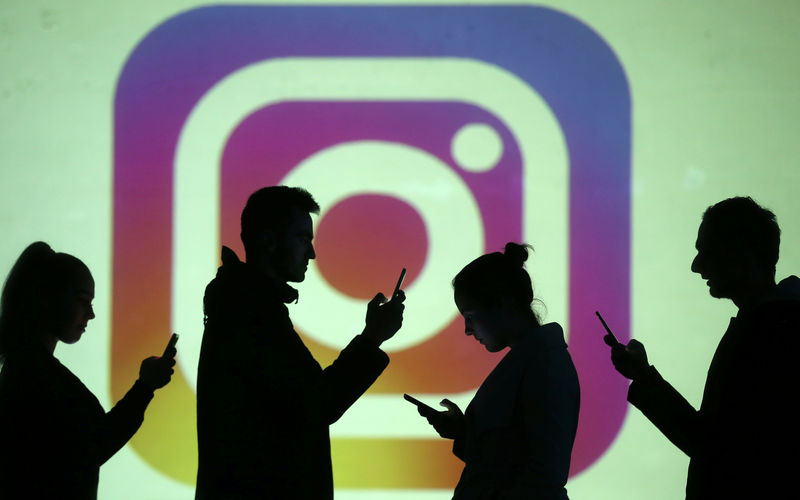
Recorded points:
(630, 360)
(384, 318)
(156, 372)
(450, 423)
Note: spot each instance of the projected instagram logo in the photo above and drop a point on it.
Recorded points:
(429, 135)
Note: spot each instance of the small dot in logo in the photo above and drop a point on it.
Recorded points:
(477, 147)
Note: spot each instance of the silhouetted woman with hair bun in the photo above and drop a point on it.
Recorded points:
(54, 434)
(517, 433)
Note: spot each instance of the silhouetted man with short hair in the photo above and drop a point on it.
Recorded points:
(738, 440)
(264, 404)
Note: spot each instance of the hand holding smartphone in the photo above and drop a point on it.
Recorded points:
(385, 316)
(424, 409)
(156, 371)
(610, 339)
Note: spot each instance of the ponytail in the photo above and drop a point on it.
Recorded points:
(32, 288)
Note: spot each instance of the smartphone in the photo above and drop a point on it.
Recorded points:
(610, 339)
(425, 408)
(172, 341)
(399, 282)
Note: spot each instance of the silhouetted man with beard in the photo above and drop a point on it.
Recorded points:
(264, 404)
(739, 439)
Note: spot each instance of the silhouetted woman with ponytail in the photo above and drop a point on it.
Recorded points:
(517, 433)
(54, 434)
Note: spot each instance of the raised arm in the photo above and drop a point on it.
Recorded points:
(120, 424)
(670, 412)
(362, 361)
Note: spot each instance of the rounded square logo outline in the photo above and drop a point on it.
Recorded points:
(567, 63)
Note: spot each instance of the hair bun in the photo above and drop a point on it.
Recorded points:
(37, 254)
(40, 248)
(516, 253)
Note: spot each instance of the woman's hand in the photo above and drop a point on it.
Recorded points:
(449, 423)
(156, 371)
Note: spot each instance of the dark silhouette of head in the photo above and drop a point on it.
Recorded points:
(47, 295)
(494, 294)
(277, 231)
(737, 249)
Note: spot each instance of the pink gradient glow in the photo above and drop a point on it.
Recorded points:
(363, 242)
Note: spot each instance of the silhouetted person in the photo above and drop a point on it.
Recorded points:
(517, 433)
(54, 434)
(264, 404)
(738, 440)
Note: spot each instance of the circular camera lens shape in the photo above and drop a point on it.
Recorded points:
(365, 240)
(477, 147)
(451, 217)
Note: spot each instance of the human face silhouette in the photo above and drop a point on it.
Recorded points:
(718, 264)
(76, 308)
(486, 324)
(294, 248)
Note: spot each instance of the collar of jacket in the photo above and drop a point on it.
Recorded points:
(231, 263)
